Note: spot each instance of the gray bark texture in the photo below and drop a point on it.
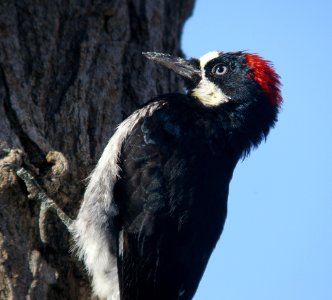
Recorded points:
(70, 71)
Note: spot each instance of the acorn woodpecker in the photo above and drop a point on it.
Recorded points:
(156, 202)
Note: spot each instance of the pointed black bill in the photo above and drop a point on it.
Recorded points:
(186, 68)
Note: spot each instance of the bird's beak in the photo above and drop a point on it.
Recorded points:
(186, 68)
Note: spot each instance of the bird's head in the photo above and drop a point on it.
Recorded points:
(220, 78)
(243, 88)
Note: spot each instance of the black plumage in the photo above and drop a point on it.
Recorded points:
(169, 201)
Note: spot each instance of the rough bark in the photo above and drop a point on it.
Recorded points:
(70, 71)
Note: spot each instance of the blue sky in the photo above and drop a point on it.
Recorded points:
(277, 242)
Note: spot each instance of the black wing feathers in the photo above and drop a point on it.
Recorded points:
(170, 190)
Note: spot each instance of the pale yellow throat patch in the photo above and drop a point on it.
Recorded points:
(206, 91)
(209, 94)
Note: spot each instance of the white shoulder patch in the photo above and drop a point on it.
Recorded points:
(92, 230)
(206, 91)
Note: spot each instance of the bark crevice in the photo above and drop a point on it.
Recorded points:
(34, 152)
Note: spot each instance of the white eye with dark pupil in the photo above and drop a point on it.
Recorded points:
(219, 70)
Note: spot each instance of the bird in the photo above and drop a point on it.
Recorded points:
(156, 203)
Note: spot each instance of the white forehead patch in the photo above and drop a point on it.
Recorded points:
(206, 91)
(207, 57)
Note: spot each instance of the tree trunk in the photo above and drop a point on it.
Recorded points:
(70, 71)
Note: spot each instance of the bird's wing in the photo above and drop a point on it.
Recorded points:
(161, 255)
(144, 224)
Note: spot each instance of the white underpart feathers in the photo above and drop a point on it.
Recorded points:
(206, 91)
(92, 230)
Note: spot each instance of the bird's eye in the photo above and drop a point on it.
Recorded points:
(219, 70)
